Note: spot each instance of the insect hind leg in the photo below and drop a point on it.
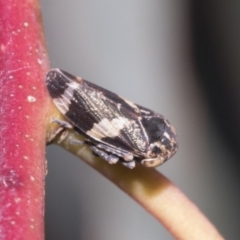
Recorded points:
(61, 123)
(77, 142)
(110, 158)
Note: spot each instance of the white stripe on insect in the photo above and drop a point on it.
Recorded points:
(64, 101)
(108, 128)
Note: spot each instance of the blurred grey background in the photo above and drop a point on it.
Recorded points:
(179, 58)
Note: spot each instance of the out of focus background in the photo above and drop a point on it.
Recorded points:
(179, 58)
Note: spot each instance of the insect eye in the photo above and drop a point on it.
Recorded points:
(159, 131)
(155, 126)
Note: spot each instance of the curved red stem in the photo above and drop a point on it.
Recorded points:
(24, 104)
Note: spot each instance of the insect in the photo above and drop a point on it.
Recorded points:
(116, 129)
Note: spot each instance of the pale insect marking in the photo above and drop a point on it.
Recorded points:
(108, 128)
(64, 102)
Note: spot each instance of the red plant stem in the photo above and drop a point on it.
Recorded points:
(23, 108)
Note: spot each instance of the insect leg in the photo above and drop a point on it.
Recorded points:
(76, 142)
(117, 151)
(130, 164)
(62, 123)
(110, 158)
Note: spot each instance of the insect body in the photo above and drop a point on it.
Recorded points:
(116, 129)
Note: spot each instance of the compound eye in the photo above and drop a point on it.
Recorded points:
(152, 162)
(155, 127)
(160, 130)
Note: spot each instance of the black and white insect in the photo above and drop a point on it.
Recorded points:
(115, 128)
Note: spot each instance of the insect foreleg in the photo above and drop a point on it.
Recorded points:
(130, 164)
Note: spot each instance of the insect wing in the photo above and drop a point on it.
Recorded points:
(100, 114)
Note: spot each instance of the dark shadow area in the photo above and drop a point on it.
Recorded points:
(215, 31)
(62, 220)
